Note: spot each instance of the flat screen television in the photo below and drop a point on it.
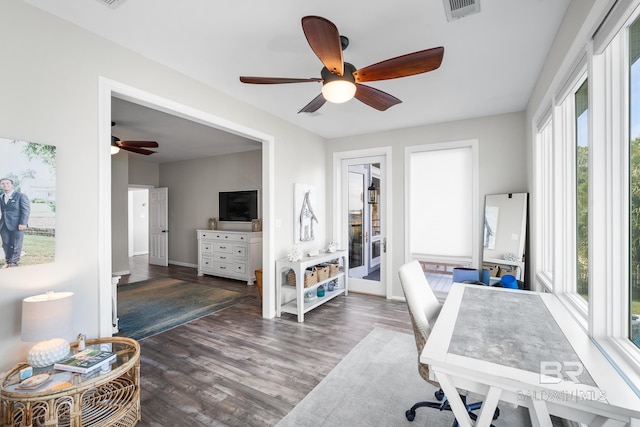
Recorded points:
(238, 205)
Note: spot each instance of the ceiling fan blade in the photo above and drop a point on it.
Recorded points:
(324, 39)
(137, 150)
(314, 105)
(402, 66)
(375, 98)
(275, 80)
(150, 144)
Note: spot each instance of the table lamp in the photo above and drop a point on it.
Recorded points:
(44, 318)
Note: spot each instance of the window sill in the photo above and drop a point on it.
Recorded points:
(624, 357)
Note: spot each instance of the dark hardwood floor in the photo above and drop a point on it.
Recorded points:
(234, 368)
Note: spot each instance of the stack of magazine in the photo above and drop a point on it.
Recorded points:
(86, 361)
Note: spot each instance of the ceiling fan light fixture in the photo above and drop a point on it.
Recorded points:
(115, 149)
(338, 91)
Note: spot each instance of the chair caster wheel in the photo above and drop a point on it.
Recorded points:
(439, 395)
(411, 415)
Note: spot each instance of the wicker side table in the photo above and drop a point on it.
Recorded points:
(101, 398)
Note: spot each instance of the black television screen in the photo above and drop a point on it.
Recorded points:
(238, 205)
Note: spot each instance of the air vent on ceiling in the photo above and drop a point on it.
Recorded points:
(456, 9)
(111, 3)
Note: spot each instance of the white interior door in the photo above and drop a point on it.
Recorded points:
(159, 226)
(363, 226)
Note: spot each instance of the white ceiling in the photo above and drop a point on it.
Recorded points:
(491, 62)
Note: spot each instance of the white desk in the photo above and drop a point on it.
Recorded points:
(493, 341)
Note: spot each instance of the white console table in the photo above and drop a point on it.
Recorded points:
(299, 306)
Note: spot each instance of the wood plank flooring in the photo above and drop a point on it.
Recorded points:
(234, 368)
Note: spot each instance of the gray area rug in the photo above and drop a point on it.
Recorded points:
(374, 385)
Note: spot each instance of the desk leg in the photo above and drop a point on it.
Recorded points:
(539, 414)
(489, 405)
(457, 406)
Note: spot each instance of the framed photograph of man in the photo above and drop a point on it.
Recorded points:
(27, 203)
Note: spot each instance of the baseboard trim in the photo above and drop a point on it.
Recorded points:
(183, 264)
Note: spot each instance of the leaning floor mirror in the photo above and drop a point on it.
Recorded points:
(505, 234)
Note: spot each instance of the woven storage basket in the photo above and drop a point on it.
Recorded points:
(291, 278)
(334, 269)
(323, 272)
(310, 278)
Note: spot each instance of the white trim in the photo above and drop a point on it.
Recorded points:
(106, 90)
(386, 198)
(476, 212)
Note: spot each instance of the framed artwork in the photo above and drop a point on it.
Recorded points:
(27, 203)
(304, 216)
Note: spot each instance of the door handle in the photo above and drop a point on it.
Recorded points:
(165, 231)
(384, 245)
(366, 237)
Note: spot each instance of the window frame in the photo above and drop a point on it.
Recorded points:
(606, 66)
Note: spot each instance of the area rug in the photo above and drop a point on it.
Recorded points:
(374, 385)
(156, 305)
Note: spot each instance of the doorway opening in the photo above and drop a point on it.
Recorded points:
(108, 89)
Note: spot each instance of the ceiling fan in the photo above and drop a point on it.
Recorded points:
(340, 80)
(133, 146)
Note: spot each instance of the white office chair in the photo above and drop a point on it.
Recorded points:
(423, 310)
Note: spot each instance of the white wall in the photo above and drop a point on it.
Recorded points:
(502, 164)
(193, 196)
(49, 94)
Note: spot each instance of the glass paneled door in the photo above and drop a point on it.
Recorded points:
(364, 230)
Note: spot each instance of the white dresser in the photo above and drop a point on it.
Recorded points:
(231, 254)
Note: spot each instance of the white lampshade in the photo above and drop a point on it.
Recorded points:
(338, 91)
(47, 316)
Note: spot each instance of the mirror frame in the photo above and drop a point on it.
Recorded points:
(514, 224)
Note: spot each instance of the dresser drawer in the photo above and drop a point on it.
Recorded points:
(206, 248)
(223, 247)
(229, 237)
(240, 267)
(239, 252)
(206, 263)
(223, 257)
(223, 267)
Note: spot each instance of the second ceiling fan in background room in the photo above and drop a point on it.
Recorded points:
(140, 147)
(340, 80)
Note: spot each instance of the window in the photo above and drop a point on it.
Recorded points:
(634, 183)
(544, 203)
(586, 194)
(442, 203)
(581, 101)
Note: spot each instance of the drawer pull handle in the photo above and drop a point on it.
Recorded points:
(222, 267)
(223, 257)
